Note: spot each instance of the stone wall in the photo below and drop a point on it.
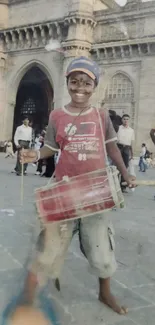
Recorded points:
(26, 12)
(146, 114)
(3, 14)
(119, 30)
(142, 74)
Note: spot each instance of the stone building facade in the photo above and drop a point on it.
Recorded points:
(120, 39)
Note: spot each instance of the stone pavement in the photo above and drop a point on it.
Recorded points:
(134, 281)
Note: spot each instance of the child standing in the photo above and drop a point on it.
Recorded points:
(75, 129)
(9, 150)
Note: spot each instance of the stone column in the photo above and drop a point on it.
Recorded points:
(3, 14)
(85, 6)
(3, 66)
(79, 39)
(3, 98)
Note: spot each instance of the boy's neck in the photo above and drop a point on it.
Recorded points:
(78, 107)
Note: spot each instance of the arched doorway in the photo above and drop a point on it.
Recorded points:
(34, 99)
(119, 96)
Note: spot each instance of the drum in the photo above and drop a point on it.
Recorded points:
(79, 196)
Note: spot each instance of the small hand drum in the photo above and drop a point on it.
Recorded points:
(79, 196)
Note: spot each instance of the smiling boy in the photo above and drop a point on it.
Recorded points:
(75, 129)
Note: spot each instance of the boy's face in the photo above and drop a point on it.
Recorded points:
(80, 87)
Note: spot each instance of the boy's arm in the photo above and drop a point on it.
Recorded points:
(49, 149)
(152, 135)
(115, 155)
(50, 145)
(16, 137)
(132, 143)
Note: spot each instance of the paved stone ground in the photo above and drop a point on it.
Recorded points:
(134, 281)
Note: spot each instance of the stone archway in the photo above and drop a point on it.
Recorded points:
(119, 95)
(34, 99)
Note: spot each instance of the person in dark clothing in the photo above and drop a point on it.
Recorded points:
(50, 167)
(125, 136)
(40, 144)
(115, 119)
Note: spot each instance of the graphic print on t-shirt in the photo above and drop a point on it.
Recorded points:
(82, 140)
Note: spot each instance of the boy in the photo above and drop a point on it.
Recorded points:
(75, 129)
(9, 150)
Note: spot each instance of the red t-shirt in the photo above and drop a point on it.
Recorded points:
(80, 139)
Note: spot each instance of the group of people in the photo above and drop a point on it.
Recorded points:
(145, 159)
(24, 138)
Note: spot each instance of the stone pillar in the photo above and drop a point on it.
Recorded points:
(80, 36)
(3, 14)
(3, 66)
(2, 96)
(83, 6)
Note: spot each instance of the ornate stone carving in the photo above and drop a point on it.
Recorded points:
(35, 36)
(122, 50)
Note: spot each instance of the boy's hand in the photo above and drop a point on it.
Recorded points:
(131, 181)
(28, 156)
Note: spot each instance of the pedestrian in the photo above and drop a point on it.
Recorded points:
(76, 130)
(9, 149)
(125, 138)
(115, 119)
(142, 161)
(39, 142)
(22, 140)
(32, 144)
(50, 167)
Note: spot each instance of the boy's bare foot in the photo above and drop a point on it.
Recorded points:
(106, 297)
(110, 301)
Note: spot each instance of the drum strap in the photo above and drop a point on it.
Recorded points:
(103, 137)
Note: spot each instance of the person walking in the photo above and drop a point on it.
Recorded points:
(39, 143)
(22, 140)
(142, 162)
(126, 137)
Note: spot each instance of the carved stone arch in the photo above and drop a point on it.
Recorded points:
(32, 95)
(14, 80)
(19, 74)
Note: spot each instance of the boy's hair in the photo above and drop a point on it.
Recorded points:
(125, 115)
(85, 65)
(25, 118)
(143, 145)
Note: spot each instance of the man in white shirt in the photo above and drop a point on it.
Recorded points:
(22, 139)
(125, 137)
